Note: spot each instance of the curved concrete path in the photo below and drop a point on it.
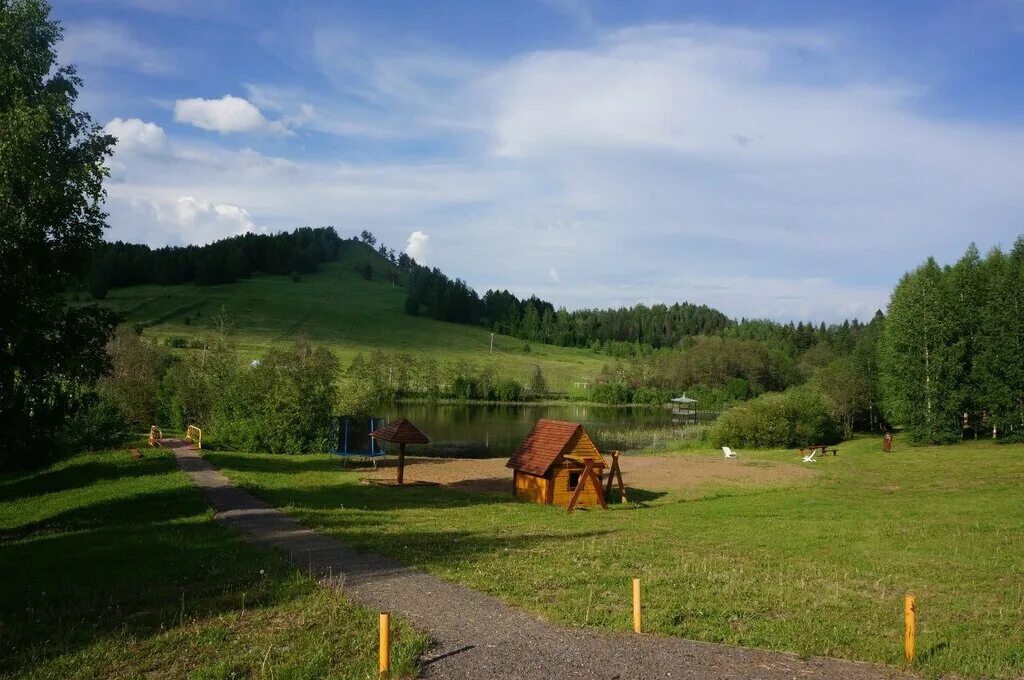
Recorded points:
(477, 636)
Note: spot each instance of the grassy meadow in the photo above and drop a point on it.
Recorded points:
(340, 309)
(817, 567)
(115, 568)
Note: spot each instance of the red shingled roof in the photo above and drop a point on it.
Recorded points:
(400, 432)
(540, 449)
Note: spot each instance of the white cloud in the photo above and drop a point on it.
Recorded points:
(663, 163)
(134, 135)
(225, 115)
(416, 246)
(110, 44)
(553, 274)
(182, 220)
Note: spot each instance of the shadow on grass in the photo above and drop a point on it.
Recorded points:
(140, 564)
(79, 475)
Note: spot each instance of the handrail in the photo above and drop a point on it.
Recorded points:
(194, 435)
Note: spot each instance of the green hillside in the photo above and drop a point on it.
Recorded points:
(340, 309)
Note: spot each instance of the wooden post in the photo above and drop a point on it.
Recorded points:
(385, 644)
(636, 605)
(910, 621)
(401, 463)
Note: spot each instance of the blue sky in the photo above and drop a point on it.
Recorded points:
(783, 160)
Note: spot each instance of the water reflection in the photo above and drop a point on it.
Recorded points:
(491, 430)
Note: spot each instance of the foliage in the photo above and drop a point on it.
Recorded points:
(950, 357)
(282, 404)
(538, 382)
(797, 417)
(299, 252)
(51, 217)
(136, 368)
(99, 423)
(846, 390)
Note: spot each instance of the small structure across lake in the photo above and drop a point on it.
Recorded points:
(558, 464)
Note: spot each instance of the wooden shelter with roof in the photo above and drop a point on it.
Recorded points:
(400, 432)
(558, 464)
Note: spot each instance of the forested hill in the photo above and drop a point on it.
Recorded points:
(623, 332)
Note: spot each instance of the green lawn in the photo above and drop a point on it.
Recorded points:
(113, 568)
(816, 568)
(338, 308)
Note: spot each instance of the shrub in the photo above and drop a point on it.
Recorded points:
(507, 389)
(99, 423)
(283, 404)
(649, 395)
(797, 417)
(176, 341)
(611, 393)
(538, 383)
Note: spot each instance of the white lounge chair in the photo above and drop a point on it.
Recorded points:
(729, 453)
(810, 458)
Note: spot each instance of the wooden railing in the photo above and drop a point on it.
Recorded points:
(194, 435)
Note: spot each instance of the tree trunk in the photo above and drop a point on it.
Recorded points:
(401, 463)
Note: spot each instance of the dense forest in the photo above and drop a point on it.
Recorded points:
(119, 264)
(951, 359)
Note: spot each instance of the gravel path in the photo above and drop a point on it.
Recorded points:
(477, 636)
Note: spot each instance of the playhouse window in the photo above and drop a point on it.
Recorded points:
(574, 480)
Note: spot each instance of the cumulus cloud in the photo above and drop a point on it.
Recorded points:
(636, 156)
(182, 220)
(416, 246)
(135, 135)
(225, 115)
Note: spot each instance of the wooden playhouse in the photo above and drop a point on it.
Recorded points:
(558, 464)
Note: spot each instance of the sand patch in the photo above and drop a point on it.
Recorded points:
(655, 473)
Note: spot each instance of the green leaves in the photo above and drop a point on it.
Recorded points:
(51, 194)
(951, 348)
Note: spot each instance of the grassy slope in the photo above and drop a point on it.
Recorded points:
(337, 307)
(819, 568)
(115, 568)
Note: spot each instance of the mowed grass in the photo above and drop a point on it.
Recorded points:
(113, 568)
(818, 568)
(339, 308)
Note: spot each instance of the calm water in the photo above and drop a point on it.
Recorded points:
(484, 431)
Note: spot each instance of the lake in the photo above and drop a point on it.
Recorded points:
(493, 430)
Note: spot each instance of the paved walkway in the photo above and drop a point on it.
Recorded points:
(477, 636)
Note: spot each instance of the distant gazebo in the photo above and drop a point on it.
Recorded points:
(684, 409)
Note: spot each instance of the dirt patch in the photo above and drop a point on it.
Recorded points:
(656, 473)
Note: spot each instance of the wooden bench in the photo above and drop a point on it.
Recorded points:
(825, 450)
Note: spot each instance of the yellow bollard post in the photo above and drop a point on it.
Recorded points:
(636, 605)
(385, 645)
(910, 621)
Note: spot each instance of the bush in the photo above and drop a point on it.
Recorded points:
(99, 423)
(507, 389)
(176, 341)
(797, 417)
(611, 393)
(648, 395)
(283, 404)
